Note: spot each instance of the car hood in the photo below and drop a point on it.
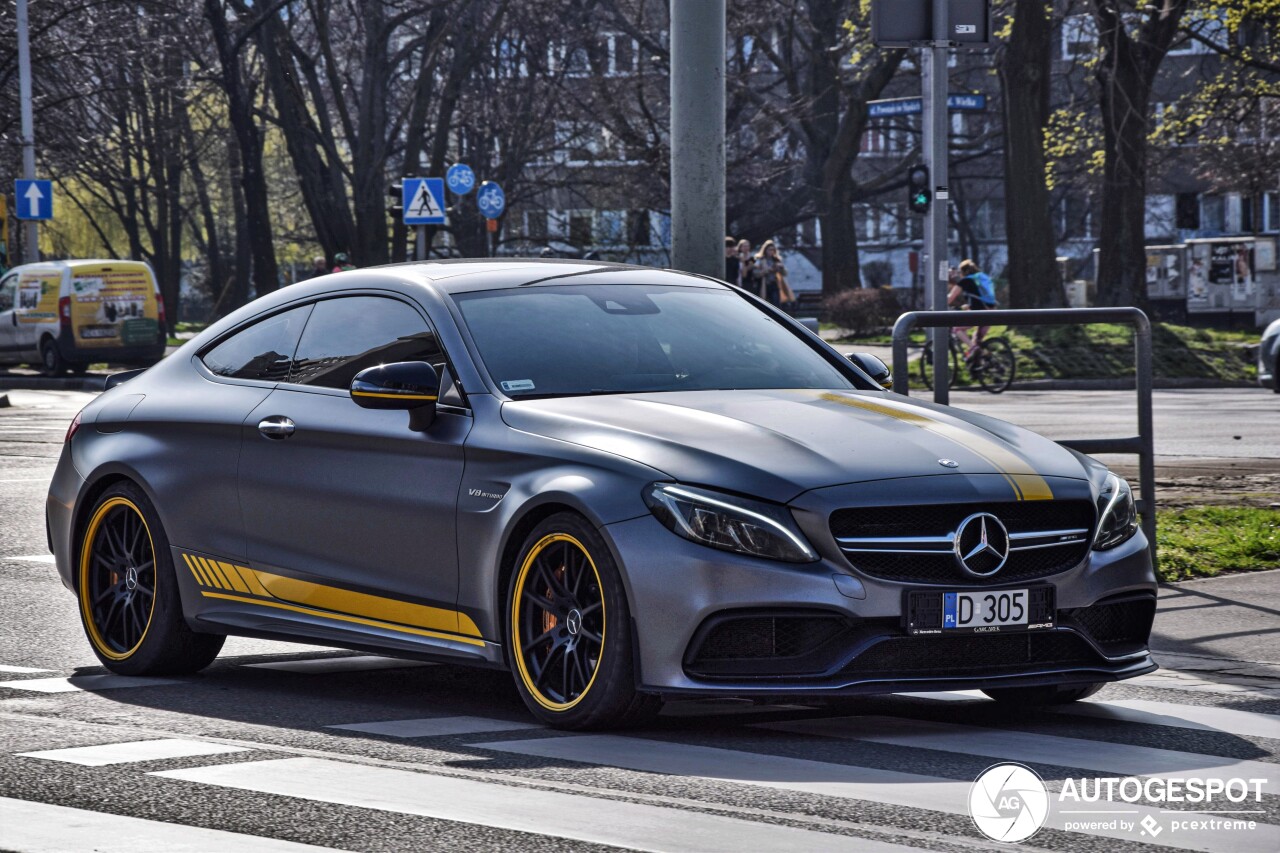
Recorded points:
(779, 443)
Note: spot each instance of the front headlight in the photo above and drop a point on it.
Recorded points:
(1117, 514)
(729, 523)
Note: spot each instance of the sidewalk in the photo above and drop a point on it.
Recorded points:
(1222, 631)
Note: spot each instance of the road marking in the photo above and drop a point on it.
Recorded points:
(580, 818)
(1032, 748)
(35, 480)
(6, 668)
(34, 558)
(842, 780)
(43, 828)
(435, 727)
(357, 663)
(1147, 712)
(125, 753)
(86, 682)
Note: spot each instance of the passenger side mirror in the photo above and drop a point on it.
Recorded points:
(873, 367)
(412, 386)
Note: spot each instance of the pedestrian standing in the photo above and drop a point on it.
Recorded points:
(732, 265)
(746, 264)
(341, 262)
(318, 267)
(768, 262)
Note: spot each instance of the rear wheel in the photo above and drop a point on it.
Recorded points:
(570, 630)
(1051, 694)
(51, 360)
(129, 602)
(994, 365)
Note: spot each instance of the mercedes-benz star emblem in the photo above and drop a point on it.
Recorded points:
(981, 545)
(573, 622)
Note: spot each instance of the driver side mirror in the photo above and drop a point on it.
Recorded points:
(411, 386)
(873, 367)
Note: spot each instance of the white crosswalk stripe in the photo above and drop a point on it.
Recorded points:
(31, 827)
(599, 821)
(840, 780)
(86, 682)
(124, 753)
(1034, 748)
(21, 669)
(1145, 711)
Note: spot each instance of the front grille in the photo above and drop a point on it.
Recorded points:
(768, 643)
(974, 655)
(1118, 623)
(939, 566)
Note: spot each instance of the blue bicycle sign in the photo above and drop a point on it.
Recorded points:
(460, 178)
(491, 200)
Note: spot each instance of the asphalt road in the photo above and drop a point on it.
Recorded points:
(283, 747)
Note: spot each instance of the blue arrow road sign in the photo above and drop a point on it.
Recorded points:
(34, 199)
(460, 178)
(492, 200)
(423, 201)
(911, 106)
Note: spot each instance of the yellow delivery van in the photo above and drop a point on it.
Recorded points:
(66, 315)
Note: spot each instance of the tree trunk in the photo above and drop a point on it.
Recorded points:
(839, 244)
(1122, 258)
(1032, 267)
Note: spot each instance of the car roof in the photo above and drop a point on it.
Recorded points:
(467, 275)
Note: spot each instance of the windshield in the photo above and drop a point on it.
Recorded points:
(619, 338)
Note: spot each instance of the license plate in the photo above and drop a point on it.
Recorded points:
(994, 611)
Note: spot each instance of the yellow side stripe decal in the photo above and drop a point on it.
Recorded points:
(427, 397)
(472, 641)
(1022, 478)
(327, 600)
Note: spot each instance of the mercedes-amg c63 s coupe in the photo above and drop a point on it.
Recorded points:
(622, 484)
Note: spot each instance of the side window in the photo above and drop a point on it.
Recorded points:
(262, 351)
(8, 292)
(348, 334)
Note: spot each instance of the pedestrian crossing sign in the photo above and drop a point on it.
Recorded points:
(424, 201)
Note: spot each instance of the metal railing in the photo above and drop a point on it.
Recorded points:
(1142, 444)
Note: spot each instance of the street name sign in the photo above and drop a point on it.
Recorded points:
(423, 201)
(33, 199)
(911, 106)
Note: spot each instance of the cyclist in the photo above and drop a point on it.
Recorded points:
(973, 290)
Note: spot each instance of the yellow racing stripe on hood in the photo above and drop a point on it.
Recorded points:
(1026, 483)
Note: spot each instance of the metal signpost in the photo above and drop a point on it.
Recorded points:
(934, 26)
(31, 233)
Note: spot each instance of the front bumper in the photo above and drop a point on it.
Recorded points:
(678, 590)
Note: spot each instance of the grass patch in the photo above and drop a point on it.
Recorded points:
(1207, 540)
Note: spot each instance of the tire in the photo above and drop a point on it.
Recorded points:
(995, 366)
(1051, 694)
(122, 555)
(926, 366)
(51, 361)
(573, 678)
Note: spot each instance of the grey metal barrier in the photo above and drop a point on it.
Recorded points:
(1142, 444)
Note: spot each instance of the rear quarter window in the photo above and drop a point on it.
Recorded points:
(262, 351)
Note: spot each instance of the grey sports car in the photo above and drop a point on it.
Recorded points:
(622, 484)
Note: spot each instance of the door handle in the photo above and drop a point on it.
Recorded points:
(276, 426)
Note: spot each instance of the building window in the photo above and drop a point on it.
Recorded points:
(580, 228)
(1079, 35)
(623, 53)
(638, 230)
(535, 225)
(1213, 213)
(1077, 218)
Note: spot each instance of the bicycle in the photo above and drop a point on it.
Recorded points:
(992, 363)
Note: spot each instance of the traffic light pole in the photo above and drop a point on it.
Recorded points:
(936, 263)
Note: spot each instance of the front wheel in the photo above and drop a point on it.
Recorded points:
(926, 366)
(1051, 694)
(570, 630)
(129, 601)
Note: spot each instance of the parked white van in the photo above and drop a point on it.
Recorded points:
(66, 315)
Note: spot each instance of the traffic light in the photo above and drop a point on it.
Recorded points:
(396, 191)
(918, 192)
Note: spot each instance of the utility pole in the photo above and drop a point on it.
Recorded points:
(31, 230)
(936, 225)
(697, 136)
